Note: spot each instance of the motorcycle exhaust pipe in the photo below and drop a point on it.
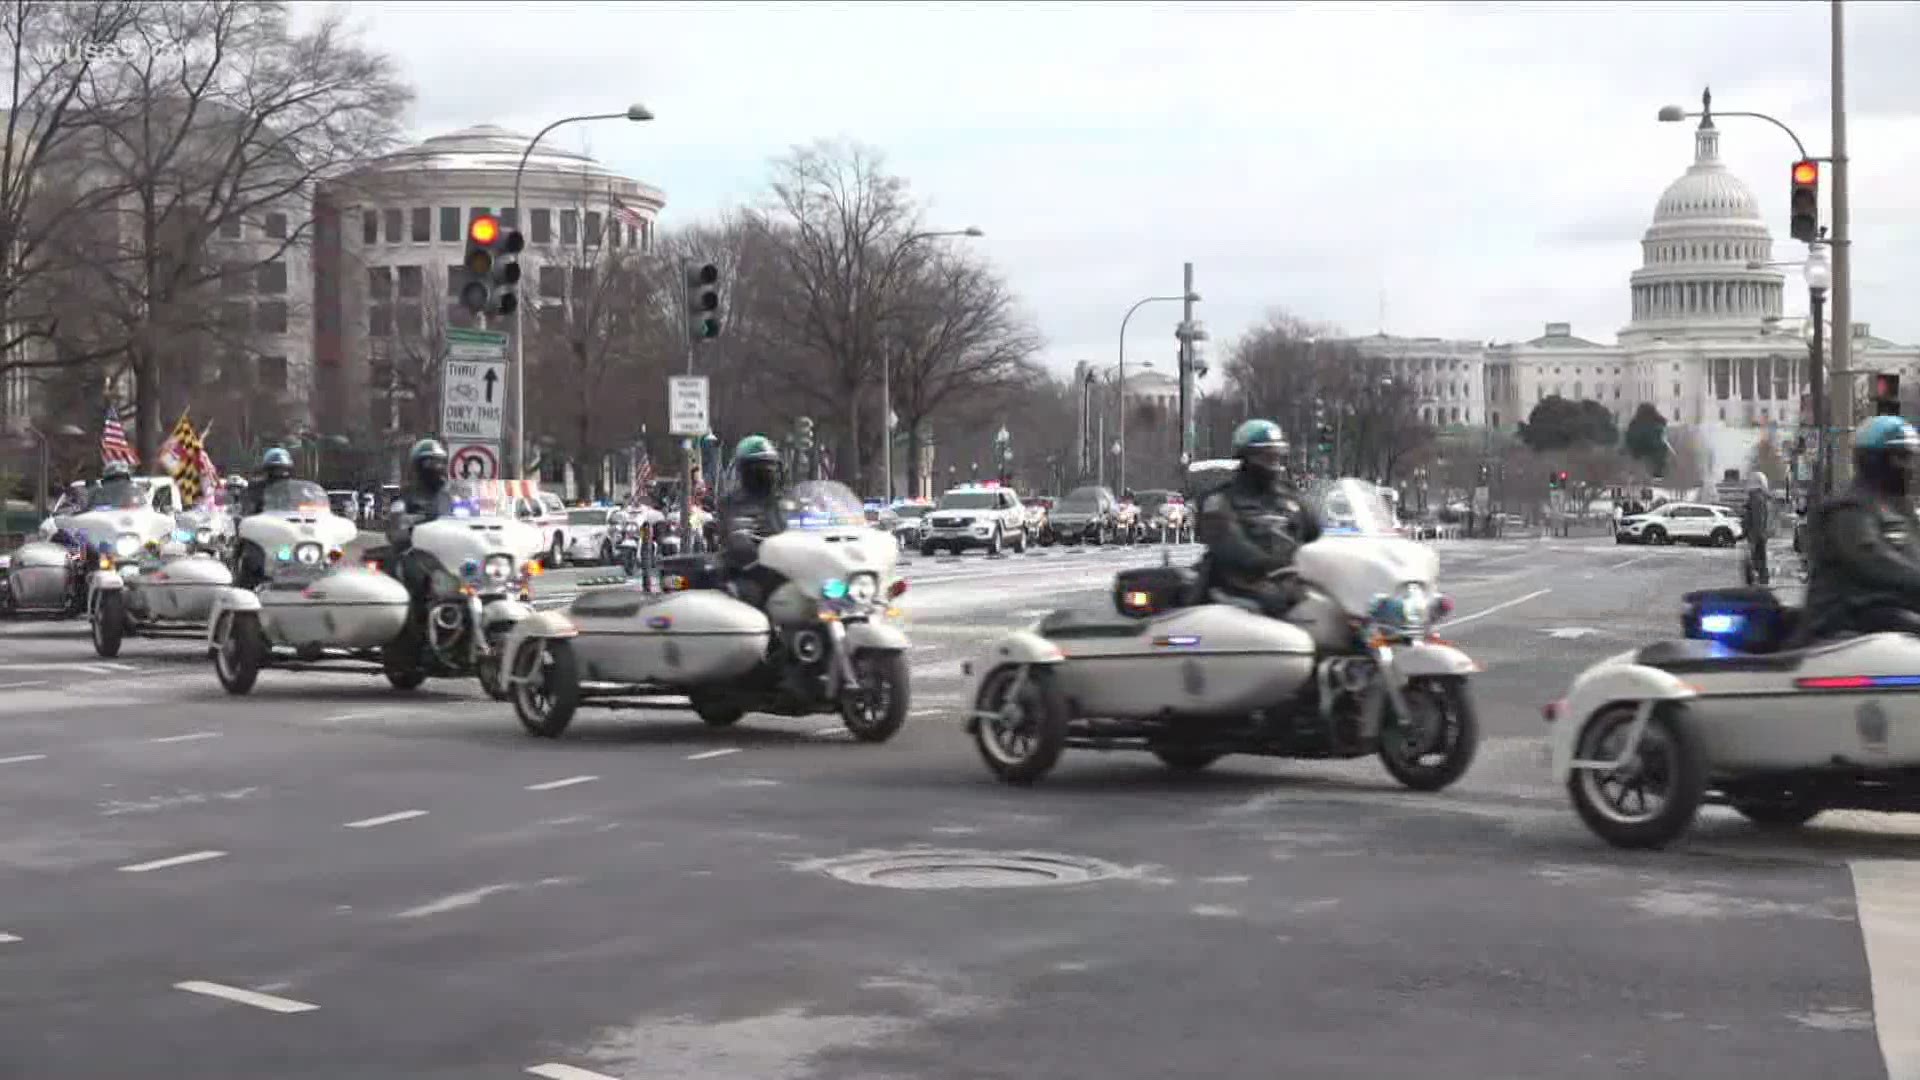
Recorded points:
(808, 646)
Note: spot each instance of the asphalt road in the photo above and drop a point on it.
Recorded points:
(331, 880)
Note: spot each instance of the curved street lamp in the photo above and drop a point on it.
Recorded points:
(1121, 434)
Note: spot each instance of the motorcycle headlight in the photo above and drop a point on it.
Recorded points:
(1409, 608)
(126, 545)
(863, 588)
(308, 554)
(204, 536)
(499, 568)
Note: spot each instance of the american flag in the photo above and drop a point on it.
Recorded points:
(113, 441)
(628, 214)
(646, 471)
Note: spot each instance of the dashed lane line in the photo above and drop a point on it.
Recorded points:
(191, 736)
(21, 685)
(1502, 606)
(269, 1002)
(384, 819)
(713, 754)
(926, 712)
(21, 759)
(8, 939)
(553, 1070)
(177, 860)
(553, 785)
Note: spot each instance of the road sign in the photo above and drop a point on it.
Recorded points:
(687, 405)
(474, 387)
(474, 461)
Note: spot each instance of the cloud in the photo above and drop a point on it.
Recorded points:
(1487, 168)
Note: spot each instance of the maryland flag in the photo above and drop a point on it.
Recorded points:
(185, 458)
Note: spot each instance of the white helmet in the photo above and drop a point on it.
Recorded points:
(1756, 481)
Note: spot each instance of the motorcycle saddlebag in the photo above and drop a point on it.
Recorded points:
(1751, 620)
(1152, 590)
(681, 572)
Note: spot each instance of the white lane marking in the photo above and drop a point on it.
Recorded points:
(8, 939)
(926, 712)
(119, 667)
(189, 737)
(826, 732)
(177, 860)
(1504, 605)
(1630, 562)
(925, 648)
(21, 685)
(246, 997)
(89, 669)
(474, 896)
(713, 754)
(568, 782)
(553, 1070)
(20, 759)
(1887, 902)
(384, 819)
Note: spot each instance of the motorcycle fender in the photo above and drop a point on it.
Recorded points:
(538, 625)
(104, 581)
(1428, 658)
(1021, 647)
(1603, 686)
(883, 636)
(504, 611)
(228, 601)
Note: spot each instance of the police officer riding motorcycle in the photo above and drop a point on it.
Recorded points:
(1254, 523)
(750, 513)
(1864, 545)
(425, 499)
(250, 563)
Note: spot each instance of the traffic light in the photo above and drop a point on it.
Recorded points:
(1886, 393)
(1484, 473)
(493, 267)
(1558, 481)
(703, 302)
(1804, 202)
(803, 443)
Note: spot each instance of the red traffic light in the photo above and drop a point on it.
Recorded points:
(1886, 385)
(1806, 172)
(484, 230)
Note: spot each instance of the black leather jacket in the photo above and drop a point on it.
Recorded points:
(1251, 530)
(1863, 554)
(417, 505)
(761, 515)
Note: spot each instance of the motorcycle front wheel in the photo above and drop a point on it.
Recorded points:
(1436, 746)
(875, 709)
(1020, 736)
(109, 624)
(546, 699)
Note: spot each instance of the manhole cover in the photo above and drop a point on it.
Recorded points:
(965, 870)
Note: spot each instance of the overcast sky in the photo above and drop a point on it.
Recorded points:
(1476, 170)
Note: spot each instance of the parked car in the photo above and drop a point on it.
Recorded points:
(985, 515)
(1678, 522)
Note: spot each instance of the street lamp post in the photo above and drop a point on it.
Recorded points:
(635, 112)
(886, 364)
(46, 453)
(1819, 280)
(1121, 435)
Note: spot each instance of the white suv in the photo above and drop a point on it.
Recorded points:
(982, 516)
(1687, 523)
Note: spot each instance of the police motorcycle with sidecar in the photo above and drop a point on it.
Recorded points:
(1190, 674)
(1726, 715)
(823, 640)
(93, 527)
(166, 590)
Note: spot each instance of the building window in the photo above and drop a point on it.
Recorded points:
(543, 226)
(456, 279)
(370, 227)
(422, 225)
(380, 321)
(230, 229)
(475, 213)
(396, 226)
(613, 233)
(450, 225)
(412, 282)
(271, 317)
(593, 228)
(273, 279)
(276, 226)
(233, 317)
(569, 226)
(379, 284)
(582, 281)
(273, 373)
(553, 283)
(409, 321)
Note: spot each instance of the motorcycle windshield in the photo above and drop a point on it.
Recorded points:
(823, 504)
(117, 495)
(1352, 507)
(294, 497)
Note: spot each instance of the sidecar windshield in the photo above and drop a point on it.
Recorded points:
(822, 504)
(1353, 507)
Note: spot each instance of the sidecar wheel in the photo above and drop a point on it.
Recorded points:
(1439, 747)
(1652, 800)
(716, 713)
(109, 624)
(1022, 747)
(546, 699)
(1789, 812)
(1185, 759)
(874, 712)
(239, 656)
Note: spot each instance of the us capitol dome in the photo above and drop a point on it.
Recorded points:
(1707, 343)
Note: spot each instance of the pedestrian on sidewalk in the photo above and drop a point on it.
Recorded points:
(1757, 520)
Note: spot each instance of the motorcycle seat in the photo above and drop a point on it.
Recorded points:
(616, 603)
(1085, 624)
(1691, 655)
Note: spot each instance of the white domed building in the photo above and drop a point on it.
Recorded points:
(388, 252)
(1707, 344)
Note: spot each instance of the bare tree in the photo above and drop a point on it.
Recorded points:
(224, 118)
(407, 353)
(838, 225)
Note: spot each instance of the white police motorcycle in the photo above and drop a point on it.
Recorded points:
(823, 641)
(94, 527)
(166, 590)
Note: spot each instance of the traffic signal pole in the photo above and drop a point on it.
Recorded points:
(686, 444)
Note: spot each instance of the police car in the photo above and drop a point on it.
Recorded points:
(975, 515)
